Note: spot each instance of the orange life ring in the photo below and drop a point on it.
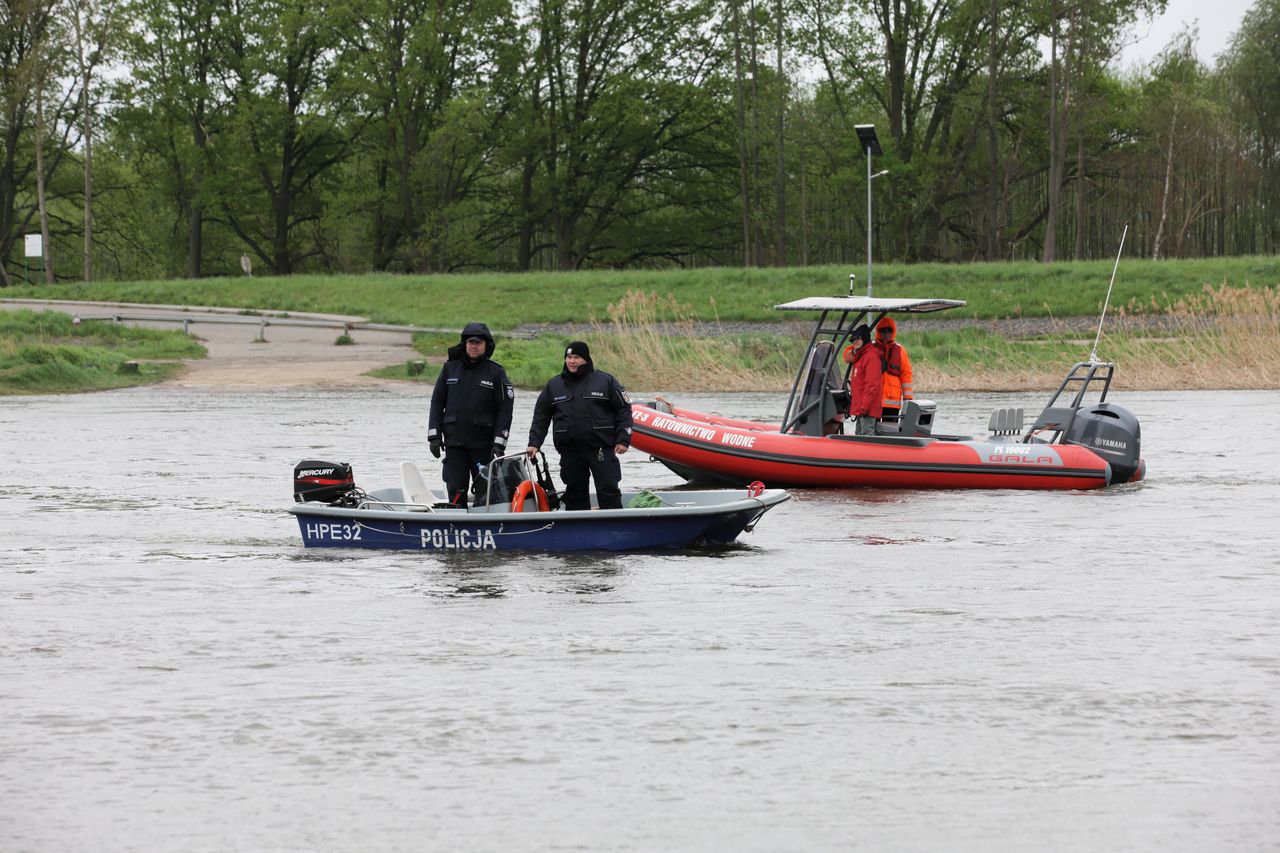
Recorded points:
(522, 492)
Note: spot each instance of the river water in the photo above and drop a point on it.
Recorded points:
(965, 671)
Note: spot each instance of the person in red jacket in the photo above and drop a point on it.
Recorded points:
(897, 369)
(865, 388)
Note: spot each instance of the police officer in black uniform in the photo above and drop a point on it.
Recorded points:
(590, 418)
(470, 410)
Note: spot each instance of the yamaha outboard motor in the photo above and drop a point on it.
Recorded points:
(1113, 433)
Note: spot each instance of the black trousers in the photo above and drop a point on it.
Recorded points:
(460, 470)
(577, 466)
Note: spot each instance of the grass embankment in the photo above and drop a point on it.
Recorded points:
(1225, 308)
(506, 300)
(44, 353)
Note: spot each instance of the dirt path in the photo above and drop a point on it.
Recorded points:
(290, 356)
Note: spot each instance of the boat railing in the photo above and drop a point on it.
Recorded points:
(1081, 379)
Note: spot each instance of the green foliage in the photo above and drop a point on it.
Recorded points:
(426, 137)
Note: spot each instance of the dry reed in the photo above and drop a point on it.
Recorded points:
(672, 355)
(1222, 338)
(1225, 338)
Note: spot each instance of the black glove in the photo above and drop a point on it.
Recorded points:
(499, 450)
(435, 447)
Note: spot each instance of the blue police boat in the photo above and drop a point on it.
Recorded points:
(513, 508)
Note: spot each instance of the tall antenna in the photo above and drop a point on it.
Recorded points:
(1093, 354)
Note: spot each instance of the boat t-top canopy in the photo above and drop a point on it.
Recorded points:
(812, 402)
(870, 305)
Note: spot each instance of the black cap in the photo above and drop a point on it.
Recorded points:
(863, 334)
(578, 348)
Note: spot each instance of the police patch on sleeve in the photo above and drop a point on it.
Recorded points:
(511, 392)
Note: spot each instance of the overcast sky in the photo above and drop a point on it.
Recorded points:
(1218, 21)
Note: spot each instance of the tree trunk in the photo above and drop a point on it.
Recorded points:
(87, 126)
(45, 249)
(282, 202)
(195, 214)
(1082, 187)
(894, 29)
(282, 262)
(992, 247)
(739, 97)
(757, 229)
(780, 176)
(804, 210)
(524, 252)
(1164, 197)
(1050, 251)
(565, 260)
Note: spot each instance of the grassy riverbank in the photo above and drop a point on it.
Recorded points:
(43, 353)
(1222, 338)
(645, 324)
(504, 301)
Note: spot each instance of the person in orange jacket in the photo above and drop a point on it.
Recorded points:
(865, 383)
(897, 369)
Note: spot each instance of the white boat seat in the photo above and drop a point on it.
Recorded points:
(416, 494)
(1005, 422)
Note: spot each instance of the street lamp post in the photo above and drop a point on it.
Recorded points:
(871, 146)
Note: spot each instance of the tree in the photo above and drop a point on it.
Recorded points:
(1183, 119)
(291, 120)
(1082, 35)
(1251, 67)
(30, 58)
(172, 107)
(617, 96)
(931, 53)
(423, 68)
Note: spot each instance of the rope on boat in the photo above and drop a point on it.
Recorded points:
(498, 532)
(750, 526)
(547, 526)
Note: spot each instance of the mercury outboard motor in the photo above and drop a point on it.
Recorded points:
(327, 482)
(1113, 433)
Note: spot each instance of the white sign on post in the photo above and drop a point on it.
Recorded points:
(35, 246)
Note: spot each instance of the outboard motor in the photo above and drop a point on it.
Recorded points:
(1113, 433)
(327, 482)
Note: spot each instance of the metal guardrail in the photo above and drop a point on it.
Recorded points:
(263, 322)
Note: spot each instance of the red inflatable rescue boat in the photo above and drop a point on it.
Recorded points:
(1078, 441)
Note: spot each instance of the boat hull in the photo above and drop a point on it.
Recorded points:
(699, 520)
(708, 449)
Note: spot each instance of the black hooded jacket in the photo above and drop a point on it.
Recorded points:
(585, 410)
(472, 401)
